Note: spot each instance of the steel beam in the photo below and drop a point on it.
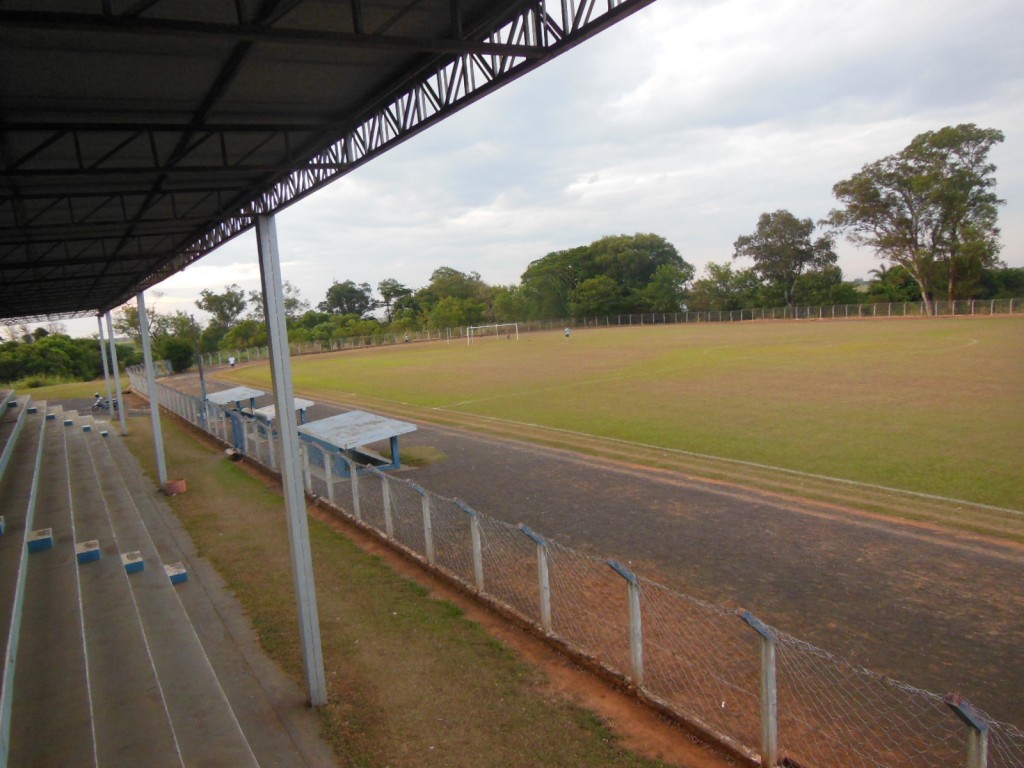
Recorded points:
(154, 398)
(291, 460)
(117, 376)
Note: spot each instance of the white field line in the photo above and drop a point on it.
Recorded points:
(741, 462)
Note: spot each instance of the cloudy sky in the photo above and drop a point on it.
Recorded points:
(688, 119)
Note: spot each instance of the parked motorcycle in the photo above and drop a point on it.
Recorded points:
(101, 403)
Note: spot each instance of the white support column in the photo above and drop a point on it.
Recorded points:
(117, 376)
(154, 395)
(291, 467)
(106, 368)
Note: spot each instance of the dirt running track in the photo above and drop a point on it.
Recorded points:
(937, 609)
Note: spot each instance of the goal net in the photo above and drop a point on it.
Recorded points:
(495, 330)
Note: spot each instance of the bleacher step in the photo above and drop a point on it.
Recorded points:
(130, 714)
(51, 673)
(203, 719)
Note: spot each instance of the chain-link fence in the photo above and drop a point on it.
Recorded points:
(762, 693)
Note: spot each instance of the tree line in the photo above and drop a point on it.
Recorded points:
(929, 212)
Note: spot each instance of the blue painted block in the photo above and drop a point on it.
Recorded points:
(176, 573)
(12, 403)
(103, 433)
(51, 417)
(87, 551)
(68, 422)
(3, 525)
(133, 562)
(40, 540)
(33, 409)
(87, 427)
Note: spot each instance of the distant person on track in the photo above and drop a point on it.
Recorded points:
(567, 331)
(231, 361)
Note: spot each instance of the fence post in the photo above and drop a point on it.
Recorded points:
(478, 554)
(428, 528)
(385, 497)
(769, 692)
(329, 475)
(977, 729)
(636, 637)
(353, 473)
(542, 577)
(305, 465)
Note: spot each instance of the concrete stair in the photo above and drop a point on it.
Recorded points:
(116, 665)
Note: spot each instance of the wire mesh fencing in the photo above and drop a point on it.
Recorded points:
(768, 696)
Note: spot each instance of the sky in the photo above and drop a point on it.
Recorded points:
(688, 119)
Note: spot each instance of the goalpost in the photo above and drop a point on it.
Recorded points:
(495, 329)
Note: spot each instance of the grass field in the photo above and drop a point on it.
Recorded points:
(929, 406)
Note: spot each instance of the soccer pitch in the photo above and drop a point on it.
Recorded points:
(931, 406)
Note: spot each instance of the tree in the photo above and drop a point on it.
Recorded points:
(666, 291)
(178, 351)
(930, 208)
(390, 290)
(630, 261)
(294, 304)
(596, 296)
(892, 285)
(225, 308)
(723, 288)
(782, 250)
(347, 298)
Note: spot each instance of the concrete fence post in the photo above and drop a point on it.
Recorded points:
(477, 542)
(977, 729)
(306, 472)
(353, 473)
(769, 692)
(543, 578)
(329, 475)
(385, 495)
(428, 528)
(636, 635)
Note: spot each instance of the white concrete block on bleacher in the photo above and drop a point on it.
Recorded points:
(87, 551)
(132, 562)
(176, 573)
(40, 540)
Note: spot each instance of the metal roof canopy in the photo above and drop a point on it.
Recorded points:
(235, 395)
(354, 429)
(138, 135)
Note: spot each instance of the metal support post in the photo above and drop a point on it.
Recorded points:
(121, 407)
(154, 398)
(543, 577)
(477, 540)
(636, 635)
(106, 371)
(291, 478)
(977, 729)
(769, 692)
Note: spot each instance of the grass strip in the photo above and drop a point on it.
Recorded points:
(411, 681)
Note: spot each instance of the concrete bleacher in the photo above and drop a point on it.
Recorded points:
(113, 668)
